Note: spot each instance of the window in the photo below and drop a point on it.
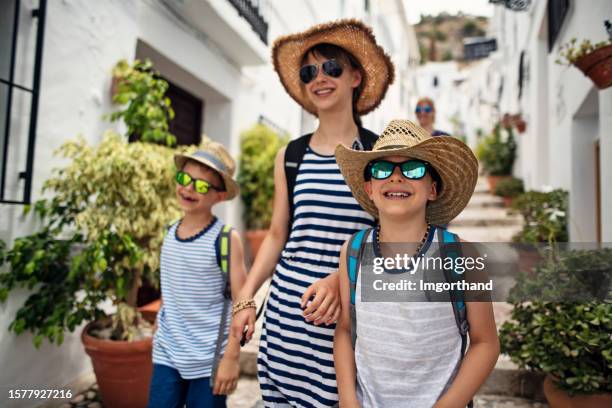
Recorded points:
(557, 10)
(21, 42)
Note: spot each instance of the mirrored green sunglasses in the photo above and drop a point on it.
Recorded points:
(382, 169)
(200, 186)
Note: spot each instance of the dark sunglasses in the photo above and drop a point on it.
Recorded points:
(426, 109)
(331, 68)
(410, 169)
(200, 186)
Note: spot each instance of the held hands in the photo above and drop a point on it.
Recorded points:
(324, 308)
(227, 375)
(241, 320)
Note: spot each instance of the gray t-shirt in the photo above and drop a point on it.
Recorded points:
(407, 353)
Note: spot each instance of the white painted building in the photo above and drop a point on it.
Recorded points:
(206, 49)
(568, 143)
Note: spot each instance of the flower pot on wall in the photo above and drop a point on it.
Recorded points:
(558, 398)
(123, 369)
(507, 201)
(598, 66)
(255, 239)
(493, 180)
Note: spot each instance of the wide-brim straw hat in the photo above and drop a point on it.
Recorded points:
(452, 159)
(349, 34)
(214, 155)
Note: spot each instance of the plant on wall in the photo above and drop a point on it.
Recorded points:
(497, 151)
(545, 216)
(145, 110)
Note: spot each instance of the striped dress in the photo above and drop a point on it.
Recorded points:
(192, 291)
(295, 364)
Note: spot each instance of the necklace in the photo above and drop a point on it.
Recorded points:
(419, 247)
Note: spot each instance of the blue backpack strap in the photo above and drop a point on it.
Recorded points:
(353, 258)
(223, 252)
(446, 237)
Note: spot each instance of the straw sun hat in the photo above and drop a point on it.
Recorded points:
(452, 159)
(351, 35)
(213, 155)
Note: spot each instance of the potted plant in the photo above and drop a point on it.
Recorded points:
(258, 148)
(544, 221)
(594, 60)
(509, 189)
(497, 153)
(519, 123)
(561, 325)
(101, 234)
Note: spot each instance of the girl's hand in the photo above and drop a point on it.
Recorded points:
(242, 319)
(227, 375)
(324, 308)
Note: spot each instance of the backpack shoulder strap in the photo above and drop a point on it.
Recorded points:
(223, 252)
(354, 251)
(294, 153)
(367, 137)
(448, 250)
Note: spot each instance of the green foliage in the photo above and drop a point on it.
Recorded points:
(448, 55)
(497, 152)
(568, 341)
(110, 205)
(510, 187)
(569, 53)
(146, 110)
(566, 275)
(545, 216)
(258, 148)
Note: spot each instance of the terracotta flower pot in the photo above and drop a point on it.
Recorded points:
(255, 238)
(493, 180)
(597, 66)
(521, 125)
(528, 258)
(557, 398)
(123, 369)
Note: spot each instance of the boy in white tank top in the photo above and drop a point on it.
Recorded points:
(411, 182)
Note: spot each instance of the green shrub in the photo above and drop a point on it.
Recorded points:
(544, 214)
(497, 152)
(111, 203)
(511, 187)
(258, 148)
(567, 340)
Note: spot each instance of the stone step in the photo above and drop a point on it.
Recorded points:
(502, 233)
(486, 217)
(485, 200)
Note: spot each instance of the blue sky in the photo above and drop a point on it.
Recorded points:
(414, 8)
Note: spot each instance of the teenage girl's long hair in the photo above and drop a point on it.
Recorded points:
(331, 51)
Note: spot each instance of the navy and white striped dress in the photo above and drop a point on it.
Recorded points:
(192, 287)
(295, 364)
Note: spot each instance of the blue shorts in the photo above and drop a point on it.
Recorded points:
(169, 390)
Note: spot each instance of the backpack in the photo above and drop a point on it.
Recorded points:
(223, 255)
(356, 245)
(294, 154)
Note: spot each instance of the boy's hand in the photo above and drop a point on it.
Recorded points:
(325, 307)
(242, 319)
(227, 375)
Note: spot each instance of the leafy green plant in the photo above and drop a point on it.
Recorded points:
(102, 232)
(552, 333)
(511, 187)
(569, 52)
(545, 216)
(146, 110)
(497, 151)
(258, 148)
(568, 341)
